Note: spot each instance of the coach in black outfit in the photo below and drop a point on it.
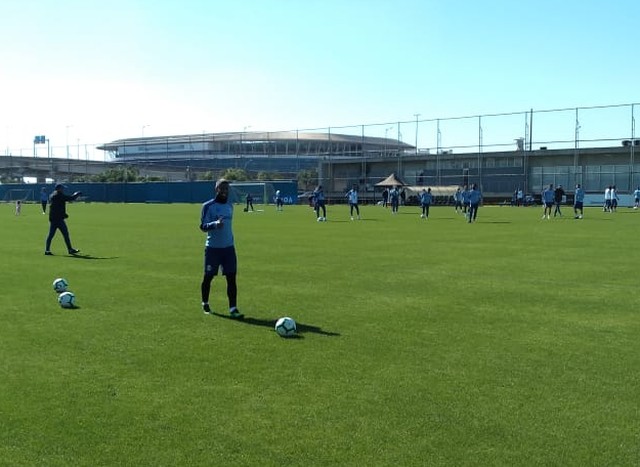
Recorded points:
(57, 215)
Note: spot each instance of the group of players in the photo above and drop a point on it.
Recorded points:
(217, 214)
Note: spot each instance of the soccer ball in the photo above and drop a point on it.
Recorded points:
(67, 300)
(285, 327)
(60, 285)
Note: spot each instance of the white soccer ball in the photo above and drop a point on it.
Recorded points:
(60, 285)
(285, 327)
(67, 300)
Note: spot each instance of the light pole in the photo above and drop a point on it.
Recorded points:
(416, 115)
(244, 130)
(67, 139)
(143, 127)
(386, 132)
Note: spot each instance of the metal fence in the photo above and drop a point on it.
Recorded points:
(444, 146)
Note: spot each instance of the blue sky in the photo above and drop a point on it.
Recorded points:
(88, 72)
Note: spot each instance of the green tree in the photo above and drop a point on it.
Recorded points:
(307, 179)
(239, 175)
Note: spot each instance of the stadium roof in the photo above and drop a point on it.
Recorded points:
(262, 137)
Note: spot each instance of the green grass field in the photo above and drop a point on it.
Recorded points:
(511, 341)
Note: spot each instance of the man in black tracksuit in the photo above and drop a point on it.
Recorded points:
(557, 197)
(57, 215)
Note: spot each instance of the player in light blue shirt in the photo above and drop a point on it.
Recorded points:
(425, 202)
(216, 220)
(548, 198)
(578, 201)
(457, 200)
(352, 198)
(475, 196)
(636, 195)
(465, 199)
(319, 203)
(394, 197)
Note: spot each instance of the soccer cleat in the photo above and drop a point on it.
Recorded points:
(235, 314)
(48, 253)
(73, 251)
(206, 308)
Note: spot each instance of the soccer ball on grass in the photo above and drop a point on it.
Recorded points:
(67, 300)
(60, 285)
(285, 327)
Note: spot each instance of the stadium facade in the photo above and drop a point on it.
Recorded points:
(343, 160)
(282, 152)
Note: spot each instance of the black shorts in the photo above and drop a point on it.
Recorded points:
(216, 258)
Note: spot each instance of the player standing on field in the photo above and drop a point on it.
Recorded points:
(548, 198)
(394, 197)
(474, 202)
(279, 201)
(318, 203)
(425, 202)
(220, 251)
(578, 202)
(457, 200)
(558, 194)
(614, 199)
(465, 200)
(636, 195)
(44, 199)
(352, 198)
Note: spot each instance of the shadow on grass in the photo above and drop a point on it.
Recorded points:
(270, 323)
(92, 257)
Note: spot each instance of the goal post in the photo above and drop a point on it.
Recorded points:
(262, 192)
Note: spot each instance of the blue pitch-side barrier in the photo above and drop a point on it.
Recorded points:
(146, 192)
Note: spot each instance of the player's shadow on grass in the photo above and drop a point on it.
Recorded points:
(78, 256)
(271, 323)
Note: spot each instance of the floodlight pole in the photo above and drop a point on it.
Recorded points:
(416, 115)
(67, 138)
